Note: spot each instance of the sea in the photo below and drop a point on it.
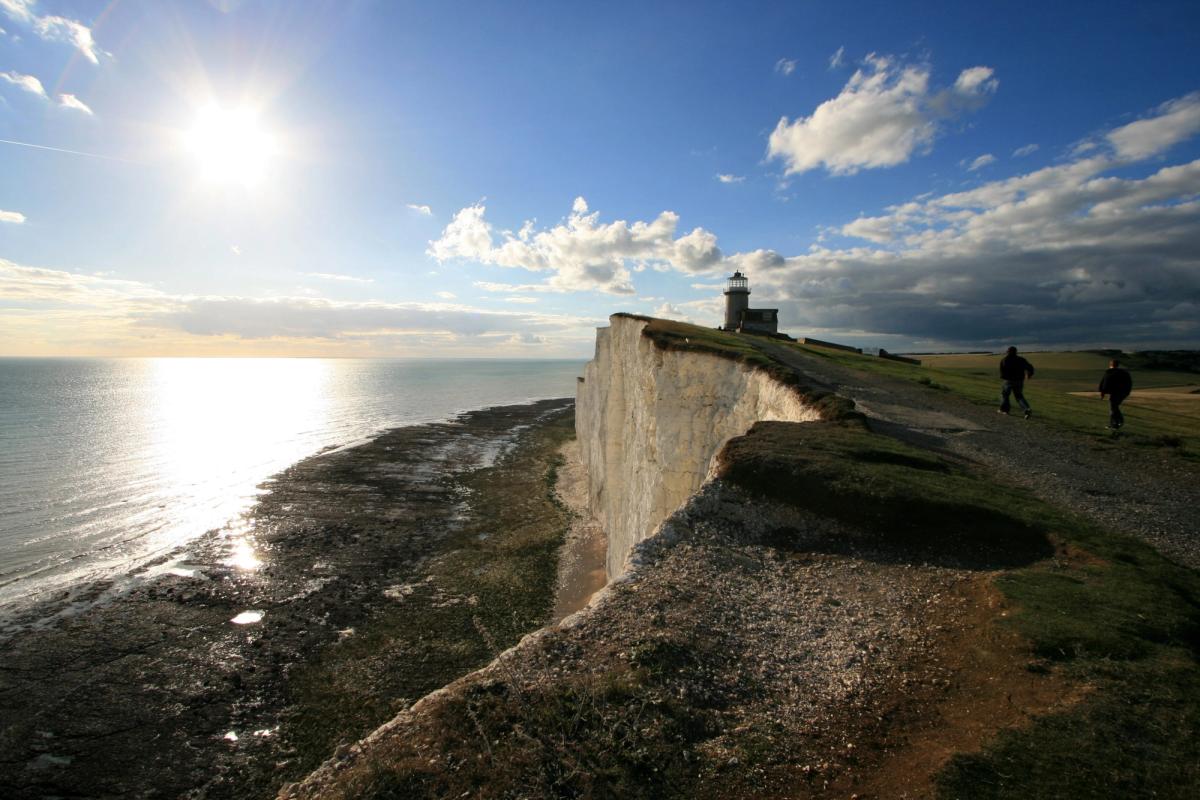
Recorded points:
(109, 465)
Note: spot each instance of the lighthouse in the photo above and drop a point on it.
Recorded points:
(737, 300)
(740, 317)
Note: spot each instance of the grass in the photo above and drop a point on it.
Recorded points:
(743, 348)
(974, 377)
(906, 496)
(625, 729)
(1129, 628)
(1114, 617)
(1117, 618)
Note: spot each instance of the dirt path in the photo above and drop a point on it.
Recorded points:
(1148, 493)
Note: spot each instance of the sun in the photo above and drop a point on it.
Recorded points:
(230, 146)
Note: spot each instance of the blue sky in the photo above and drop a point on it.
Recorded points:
(446, 179)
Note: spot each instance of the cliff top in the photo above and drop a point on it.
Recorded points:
(745, 349)
(927, 600)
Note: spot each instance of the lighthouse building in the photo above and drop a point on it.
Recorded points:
(738, 314)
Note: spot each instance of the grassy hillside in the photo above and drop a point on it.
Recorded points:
(1165, 423)
(1113, 616)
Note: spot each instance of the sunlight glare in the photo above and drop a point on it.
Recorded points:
(230, 146)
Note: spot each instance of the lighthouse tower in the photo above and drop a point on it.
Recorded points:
(737, 300)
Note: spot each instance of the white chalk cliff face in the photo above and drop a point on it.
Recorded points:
(650, 421)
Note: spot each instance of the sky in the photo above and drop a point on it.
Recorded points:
(454, 179)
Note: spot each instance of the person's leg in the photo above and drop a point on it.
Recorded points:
(1019, 393)
(1115, 418)
(1005, 389)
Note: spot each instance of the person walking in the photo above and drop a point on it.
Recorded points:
(1118, 385)
(1014, 370)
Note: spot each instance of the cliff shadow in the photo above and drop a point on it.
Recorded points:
(894, 502)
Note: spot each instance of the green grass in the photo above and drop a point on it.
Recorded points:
(1128, 628)
(1117, 618)
(1065, 372)
(1114, 617)
(974, 377)
(743, 348)
(908, 497)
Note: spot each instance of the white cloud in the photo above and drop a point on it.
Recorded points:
(26, 82)
(1026, 150)
(1067, 254)
(884, 114)
(729, 178)
(491, 286)
(521, 299)
(880, 230)
(527, 339)
(785, 66)
(333, 276)
(980, 162)
(53, 28)
(1171, 123)
(233, 248)
(57, 311)
(34, 86)
(73, 102)
(976, 80)
(61, 29)
(32, 285)
(420, 209)
(582, 253)
(700, 312)
(19, 10)
(13, 217)
(446, 295)
(838, 59)
(304, 318)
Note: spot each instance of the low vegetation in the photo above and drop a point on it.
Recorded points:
(974, 376)
(1114, 616)
(684, 337)
(497, 570)
(1099, 610)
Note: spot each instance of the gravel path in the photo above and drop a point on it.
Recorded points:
(1146, 492)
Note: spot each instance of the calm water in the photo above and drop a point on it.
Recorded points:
(107, 464)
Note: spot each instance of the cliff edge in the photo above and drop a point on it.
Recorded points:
(650, 418)
(822, 593)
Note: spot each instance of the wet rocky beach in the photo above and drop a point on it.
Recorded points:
(363, 578)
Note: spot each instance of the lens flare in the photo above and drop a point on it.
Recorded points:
(230, 146)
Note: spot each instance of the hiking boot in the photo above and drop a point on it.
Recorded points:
(1028, 413)
(1001, 411)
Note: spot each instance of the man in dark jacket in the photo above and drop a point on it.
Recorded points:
(1117, 384)
(1014, 370)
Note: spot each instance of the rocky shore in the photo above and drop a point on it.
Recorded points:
(364, 578)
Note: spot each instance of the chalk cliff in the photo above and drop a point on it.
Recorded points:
(650, 420)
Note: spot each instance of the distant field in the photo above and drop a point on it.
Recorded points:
(1183, 400)
(1069, 372)
(1062, 392)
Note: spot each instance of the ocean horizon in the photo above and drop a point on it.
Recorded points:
(109, 464)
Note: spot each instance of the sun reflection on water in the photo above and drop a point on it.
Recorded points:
(208, 414)
(243, 556)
